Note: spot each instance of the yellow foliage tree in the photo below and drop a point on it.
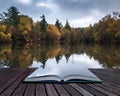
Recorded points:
(54, 33)
(25, 23)
(25, 26)
(4, 37)
(2, 28)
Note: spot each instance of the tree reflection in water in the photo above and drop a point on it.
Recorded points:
(23, 55)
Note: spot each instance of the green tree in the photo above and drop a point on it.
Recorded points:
(67, 25)
(58, 24)
(11, 17)
(43, 26)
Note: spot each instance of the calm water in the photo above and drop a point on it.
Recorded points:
(43, 55)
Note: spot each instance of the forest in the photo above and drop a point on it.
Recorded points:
(16, 27)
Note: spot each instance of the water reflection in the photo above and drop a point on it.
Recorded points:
(82, 60)
(96, 56)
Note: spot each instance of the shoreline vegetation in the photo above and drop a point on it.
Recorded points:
(17, 28)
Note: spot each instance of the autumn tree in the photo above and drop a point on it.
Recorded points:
(2, 27)
(107, 29)
(65, 35)
(88, 34)
(25, 27)
(4, 37)
(11, 20)
(37, 31)
(53, 32)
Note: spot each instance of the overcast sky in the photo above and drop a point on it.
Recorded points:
(80, 13)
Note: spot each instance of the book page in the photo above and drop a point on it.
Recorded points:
(62, 70)
(46, 78)
(80, 78)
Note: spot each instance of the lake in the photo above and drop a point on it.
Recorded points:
(41, 55)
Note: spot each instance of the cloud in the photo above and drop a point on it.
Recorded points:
(85, 12)
(78, 12)
(82, 22)
(51, 6)
(87, 5)
(25, 1)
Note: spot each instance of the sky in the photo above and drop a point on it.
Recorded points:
(79, 13)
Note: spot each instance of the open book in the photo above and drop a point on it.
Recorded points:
(67, 79)
(72, 72)
(62, 75)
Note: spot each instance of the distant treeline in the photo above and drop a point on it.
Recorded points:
(15, 27)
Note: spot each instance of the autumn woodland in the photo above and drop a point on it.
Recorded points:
(16, 27)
